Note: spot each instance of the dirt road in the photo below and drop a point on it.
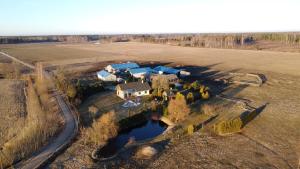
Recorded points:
(56, 144)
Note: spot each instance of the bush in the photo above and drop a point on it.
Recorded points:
(190, 97)
(178, 109)
(205, 95)
(165, 111)
(228, 127)
(186, 86)
(190, 129)
(195, 85)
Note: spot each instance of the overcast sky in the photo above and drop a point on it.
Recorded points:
(47, 17)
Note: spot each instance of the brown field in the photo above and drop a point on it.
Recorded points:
(271, 140)
(12, 109)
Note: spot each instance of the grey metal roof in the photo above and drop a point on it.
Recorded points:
(137, 86)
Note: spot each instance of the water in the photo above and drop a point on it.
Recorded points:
(147, 130)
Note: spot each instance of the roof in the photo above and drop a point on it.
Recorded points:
(128, 65)
(141, 70)
(168, 70)
(103, 73)
(137, 86)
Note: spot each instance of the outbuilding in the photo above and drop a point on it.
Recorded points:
(141, 72)
(167, 70)
(114, 68)
(106, 76)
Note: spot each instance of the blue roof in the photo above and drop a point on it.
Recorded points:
(167, 70)
(103, 73)
(142, 70)
(128, 65)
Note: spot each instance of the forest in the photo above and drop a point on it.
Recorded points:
(231, 40)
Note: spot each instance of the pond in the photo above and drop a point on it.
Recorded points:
(148, 129)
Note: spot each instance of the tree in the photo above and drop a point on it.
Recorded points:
(160, 82)
(205, 95)
(196, 85)
(71, 91)
(104, 128)
(178, 109)
(190, 97)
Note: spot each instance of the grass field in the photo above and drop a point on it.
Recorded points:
(272, 139)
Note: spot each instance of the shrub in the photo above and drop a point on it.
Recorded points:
(186, 86)
(228, 126)
(190, 97)
(104, 128)
(165, 111)
(190, 129)
(195, 85)
(205, 95)
(203, 89)
(178, 109)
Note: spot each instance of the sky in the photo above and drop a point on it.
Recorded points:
(57, 17)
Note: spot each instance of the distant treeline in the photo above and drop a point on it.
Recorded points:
(237, 40)
(221, 40)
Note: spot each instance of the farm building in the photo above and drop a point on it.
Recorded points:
(166, 70)
(105, 76)
(141, 72)
(131, 89)
(113, 68)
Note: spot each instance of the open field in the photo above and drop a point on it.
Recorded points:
(12, 109)
(271, 140)
(225, 59)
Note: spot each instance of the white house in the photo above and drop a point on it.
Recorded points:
(113, 68)
(133, 89)
(105, 76)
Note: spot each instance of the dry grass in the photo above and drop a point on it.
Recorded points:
(277, 127)
(12, 109)
(39, 126)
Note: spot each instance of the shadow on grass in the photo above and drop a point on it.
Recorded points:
(248, 116)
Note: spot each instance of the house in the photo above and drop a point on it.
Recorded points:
(105, 76)
(133, 89)
(113, 68)
(172, 79)
(167, 70)
(141, 72)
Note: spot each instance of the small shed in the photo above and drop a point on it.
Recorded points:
(106, 76)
